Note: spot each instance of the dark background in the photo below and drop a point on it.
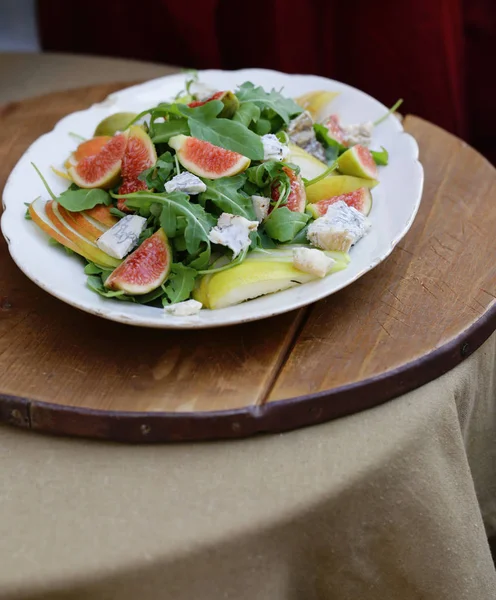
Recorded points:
(436, 54)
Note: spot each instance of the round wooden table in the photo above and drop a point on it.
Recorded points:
(414, 317)
(386, 503)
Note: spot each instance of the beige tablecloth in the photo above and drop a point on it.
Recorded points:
(387, 504)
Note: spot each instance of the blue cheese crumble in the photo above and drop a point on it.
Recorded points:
(185, 182)
(120, 239)
(233, 231)
(273, 148)
(340, 228)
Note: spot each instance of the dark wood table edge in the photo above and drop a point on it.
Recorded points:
(274, 417)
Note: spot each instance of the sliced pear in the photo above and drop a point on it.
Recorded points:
(38, 214)
(251, 279)
(81, 224)
(102, 215)
(310, 166)
(90, 250)
(335, 185)
(315, 101)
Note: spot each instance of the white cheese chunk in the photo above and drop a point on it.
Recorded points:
(261, 206)
(188, 308)
(273, 148)
(313, 261)
(120, 239)
(340, 228)
(202, 91)
(185, 182)
(358, 133)
(232, 231)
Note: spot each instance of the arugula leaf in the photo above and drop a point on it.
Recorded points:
(331, 154)
(150, 297)
(263, 126)
(94, 282)
(262, 240)
(247, 113)
(301, 236)
(393, 109)
(381, 158)
(83, 199)
(283, 224)
(92, 269)
(228, 134)
(156, 176)
(202, 260)
(162, 132)
(199, 222)
(116, 212)
(180, 283)
(323, 136)
(225, 193)
(284, 107)
(268, 172)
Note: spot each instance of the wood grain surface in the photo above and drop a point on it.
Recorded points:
(430, 304)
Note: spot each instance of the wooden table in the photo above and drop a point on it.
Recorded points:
(415, 316)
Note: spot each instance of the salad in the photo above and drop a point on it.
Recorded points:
(214, 197)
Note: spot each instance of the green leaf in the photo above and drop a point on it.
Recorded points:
(263, 126)
(27, 216)
(150, 297)
(381, 158)
(284, 107)
(247, 113)
(283, 224)
(83, 199)
(180, 283)
(116, 212)
(92, 269)
(323, 136)
(199, 222)
(225, 193)
(393, 109)
(156, 176)
(301, 236)
(164, 131)
(202, 260)
(262, 240)
(225, 133)
(94, 282)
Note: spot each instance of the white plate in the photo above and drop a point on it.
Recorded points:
(396, 201)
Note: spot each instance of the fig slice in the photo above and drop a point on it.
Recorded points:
(358, 162)
(99, 170)
(145, 269)
(297, 198)
(206, 160)
(140, 155)
(228, 99)
(361, 199)
(335, 185)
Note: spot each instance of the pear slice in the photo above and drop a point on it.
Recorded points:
(315, 101)
(251, 279)
(310, 166)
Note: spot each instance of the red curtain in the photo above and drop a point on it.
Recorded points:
(436, 54)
